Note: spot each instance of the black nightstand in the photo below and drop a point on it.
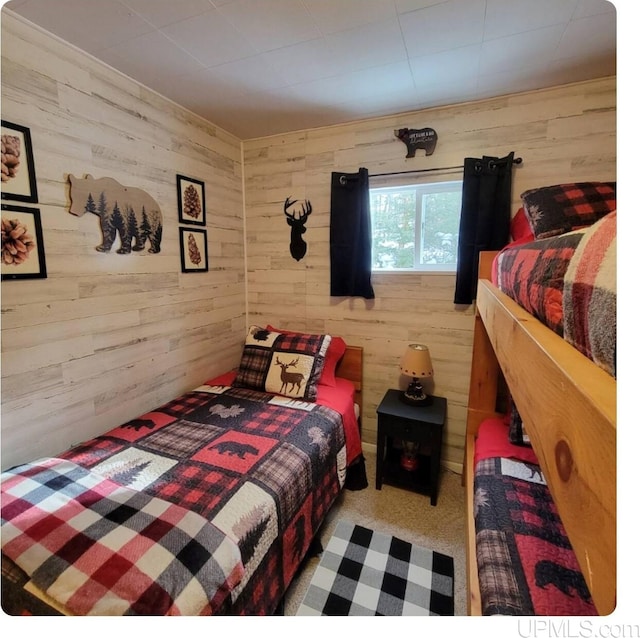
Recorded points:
(419, 424)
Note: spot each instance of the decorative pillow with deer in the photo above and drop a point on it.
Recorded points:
(286, 364)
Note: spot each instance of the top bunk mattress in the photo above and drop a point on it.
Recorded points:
(569, 283)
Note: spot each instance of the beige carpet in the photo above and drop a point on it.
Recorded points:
(408, 516)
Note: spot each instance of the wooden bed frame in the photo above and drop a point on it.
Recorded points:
(350, 367)
(568, 405)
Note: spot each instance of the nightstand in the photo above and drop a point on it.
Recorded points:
(418, 424)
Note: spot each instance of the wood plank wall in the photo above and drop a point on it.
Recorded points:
(107, 337)
(563, 134)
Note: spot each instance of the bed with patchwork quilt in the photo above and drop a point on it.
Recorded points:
(526, 564)
(541, 504)
(205, 506)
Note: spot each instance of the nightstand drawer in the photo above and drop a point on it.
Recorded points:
(405, 429)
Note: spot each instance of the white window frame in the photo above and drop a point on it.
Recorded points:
(422, 189)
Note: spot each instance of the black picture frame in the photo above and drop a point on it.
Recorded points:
(34, 267)
(194, 254)
(191, 201)
(18, 183)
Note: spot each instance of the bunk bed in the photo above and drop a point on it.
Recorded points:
(527, 366)
(206, 505)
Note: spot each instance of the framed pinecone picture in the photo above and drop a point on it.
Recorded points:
(193, 250)
(22, 248)
(191, 204)
(18, 171)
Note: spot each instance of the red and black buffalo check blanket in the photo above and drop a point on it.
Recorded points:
(569, 283)
(98, 548)
(263, 469)
(533, 275)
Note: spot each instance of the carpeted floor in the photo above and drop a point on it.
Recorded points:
(404, 514)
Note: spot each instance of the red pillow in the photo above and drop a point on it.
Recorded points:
(520, 227)
(337, 348)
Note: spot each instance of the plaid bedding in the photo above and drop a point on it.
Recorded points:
(526, 565)
(569, 283)
(261, 468)
(98, 548)
(590, 295)
(533, 275)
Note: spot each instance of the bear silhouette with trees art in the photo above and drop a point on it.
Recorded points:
(128, 213)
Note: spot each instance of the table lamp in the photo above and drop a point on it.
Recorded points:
(416, 363)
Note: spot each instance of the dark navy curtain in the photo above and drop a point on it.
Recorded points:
(350, 235)
(484, 219)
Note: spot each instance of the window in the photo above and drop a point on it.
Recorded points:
(416, 227)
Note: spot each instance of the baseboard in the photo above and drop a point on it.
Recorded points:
(453, 466)
(370, 449)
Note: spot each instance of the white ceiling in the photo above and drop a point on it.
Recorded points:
(261, 67)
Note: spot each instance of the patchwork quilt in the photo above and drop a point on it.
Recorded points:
(261, 469)
(526, 565)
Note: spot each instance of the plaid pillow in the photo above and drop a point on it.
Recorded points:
(279, 363)
(554, 210)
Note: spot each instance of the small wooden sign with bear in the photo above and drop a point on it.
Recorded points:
(423, 138)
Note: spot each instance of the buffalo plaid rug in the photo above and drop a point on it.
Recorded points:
(366, 573)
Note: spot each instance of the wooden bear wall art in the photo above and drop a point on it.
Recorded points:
(424, 138)
(297, 218)
(130, 213)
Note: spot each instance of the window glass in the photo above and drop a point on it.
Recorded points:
(415, 227)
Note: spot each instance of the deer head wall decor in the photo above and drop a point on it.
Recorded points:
(297, 219)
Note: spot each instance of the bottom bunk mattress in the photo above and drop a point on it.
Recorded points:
(526, 565)
(208, 504)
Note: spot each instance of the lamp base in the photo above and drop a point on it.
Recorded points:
(415, 394)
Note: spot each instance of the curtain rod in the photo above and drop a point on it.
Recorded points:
(517, 160)
(343, 178)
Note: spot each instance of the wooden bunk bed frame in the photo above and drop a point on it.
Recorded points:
(568, 405)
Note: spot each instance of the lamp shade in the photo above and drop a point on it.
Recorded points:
(416, 361)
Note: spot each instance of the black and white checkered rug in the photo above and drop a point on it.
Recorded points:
(366, 573)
